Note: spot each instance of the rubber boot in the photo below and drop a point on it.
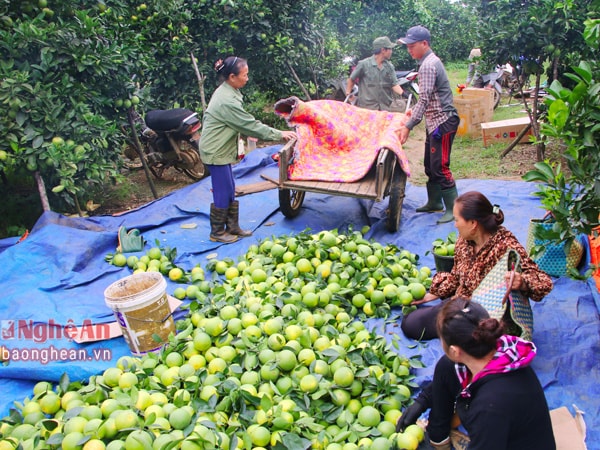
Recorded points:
(218, 217)
(434, 199)
(233, 226)
(448, 195)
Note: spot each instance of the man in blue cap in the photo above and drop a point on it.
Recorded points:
(376, 77)
(441, 122)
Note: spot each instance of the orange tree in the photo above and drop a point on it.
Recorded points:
(535, 35)
(61, 69)
(572, 195)
(69, 71)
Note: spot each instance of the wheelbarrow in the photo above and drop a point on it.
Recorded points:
(385, 179)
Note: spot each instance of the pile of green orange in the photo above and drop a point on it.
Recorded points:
(270, 356)
(445, 247)
(362, 277)
(154, 260)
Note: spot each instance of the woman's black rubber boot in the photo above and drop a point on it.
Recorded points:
(218, 217)
(233, 226)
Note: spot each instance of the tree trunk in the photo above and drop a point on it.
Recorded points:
(555, 68)
(540, 147)
(42, 190)
(138, 148)
(533, 113)
(201, 79)
(298, 81)
(79, 210)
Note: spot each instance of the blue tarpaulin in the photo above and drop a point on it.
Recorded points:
(56, 277)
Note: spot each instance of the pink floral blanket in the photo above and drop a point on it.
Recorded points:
(338, 141)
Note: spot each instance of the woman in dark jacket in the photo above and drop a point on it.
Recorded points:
(486, 379)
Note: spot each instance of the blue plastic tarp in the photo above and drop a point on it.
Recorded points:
(56, 278)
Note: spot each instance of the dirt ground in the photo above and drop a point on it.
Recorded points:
(517, 162)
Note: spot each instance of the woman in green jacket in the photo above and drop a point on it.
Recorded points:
(224, 121)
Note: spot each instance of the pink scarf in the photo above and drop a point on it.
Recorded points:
(512, 353)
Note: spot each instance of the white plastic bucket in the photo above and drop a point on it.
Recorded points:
(141, 308)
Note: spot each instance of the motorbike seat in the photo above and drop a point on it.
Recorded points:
(402, 73)
(171, 119)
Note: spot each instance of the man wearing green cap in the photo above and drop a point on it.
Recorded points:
(375, 77)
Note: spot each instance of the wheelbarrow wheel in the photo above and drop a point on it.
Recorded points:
(397, 192)
(290, 202)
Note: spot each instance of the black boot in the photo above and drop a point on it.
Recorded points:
(448, 195)
(434, 199)
(233, 226)
(218, 217)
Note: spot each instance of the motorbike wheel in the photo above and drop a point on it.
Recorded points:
(191, 164)
(132, 165)
(198, 172)
(497, 98)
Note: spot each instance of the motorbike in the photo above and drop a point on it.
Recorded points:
(336, 89)
(494, 80)
(169, 138)
(407, 79)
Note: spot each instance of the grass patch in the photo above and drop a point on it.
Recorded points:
(470, 159)
(123, 191)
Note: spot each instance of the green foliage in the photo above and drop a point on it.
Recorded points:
(573, 195)
(259, 105)
(534, 35)
(56, 75)
(356, 24)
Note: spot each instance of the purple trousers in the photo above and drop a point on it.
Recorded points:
(223, 185)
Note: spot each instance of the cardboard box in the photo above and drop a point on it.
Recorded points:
(505, 131)
(485, 96)
(474, 107)
(569, 431)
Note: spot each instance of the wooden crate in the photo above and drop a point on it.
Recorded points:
(504, 131)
